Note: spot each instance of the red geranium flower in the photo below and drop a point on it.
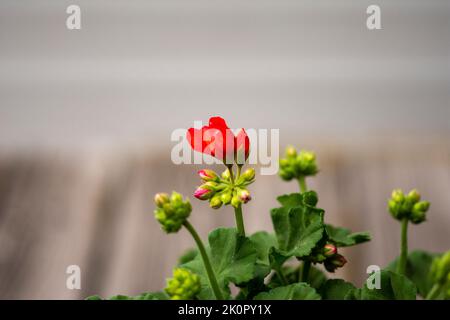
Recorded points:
(217, 140)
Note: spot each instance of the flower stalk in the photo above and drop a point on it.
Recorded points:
(401, 268)
(209, 270)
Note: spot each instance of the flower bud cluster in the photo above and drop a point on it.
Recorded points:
(171, 211)
(184, 285)
(222, 190)
(329, 256)
(408, 206)
(296, 165)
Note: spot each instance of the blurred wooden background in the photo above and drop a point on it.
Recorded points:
(95, 210)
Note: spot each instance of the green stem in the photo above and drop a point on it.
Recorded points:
(302, 184)
(432, 294)
(209, 270)
(282, 277)
(404, 248)
(230, 170)
(239, 220)
(305, 271)
(238, 171)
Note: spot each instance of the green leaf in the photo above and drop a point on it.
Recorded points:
(233, 259)
(263, 242)
(94, 297)
(187, 256)
(120, 297)
(296, 291)
(298, 229)
(343, 237)
(298, 199)
(417, 269)
(335, 289)
(392, 287)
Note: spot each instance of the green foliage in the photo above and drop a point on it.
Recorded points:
(343, 237)
(393, 286)
(296, 291)
(335, 289)
(418, 267)
(233, 259)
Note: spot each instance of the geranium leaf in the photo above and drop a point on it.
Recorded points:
(343, 237)
(417, 269)
(296, 291)
(392, 287)
(335, 289)
(298, 229)
(263, 242)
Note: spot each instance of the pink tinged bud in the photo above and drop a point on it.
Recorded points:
(244, 196)
(329, 250)
(208, 175)
(203, 192)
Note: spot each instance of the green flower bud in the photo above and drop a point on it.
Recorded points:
(184, 285)
(286, 175)
(161, 199)
(226, 175)
(226, 197)
(440, 269)
(291, 152)
(235, 201)
(172, 214)
(413, 196)
(397, 195)
(215, 202)
(248, 175)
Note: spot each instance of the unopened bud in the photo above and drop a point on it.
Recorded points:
(337, 261)
(235, 201)
(244, 195)
(329, 250)
(249, 174)
(226, 197)
(291, 152)
(397, 195)
(226, 175)
(204, 192)
(215, 202)
(161, 199)
(414, 196)
(208, 175)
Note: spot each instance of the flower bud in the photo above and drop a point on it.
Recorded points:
(337, 261)
(248, 175)
(418, 212)
(291, 152)
(329, 250)
(184, 285)
(244, 195)
(215, 202)
(226, 175)
(173, 212)
(397, 195)
(286, 175)
(226, 197)
(208, 175)
(413, 196)
(161, 199)
(204, 192)
(235, 201)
